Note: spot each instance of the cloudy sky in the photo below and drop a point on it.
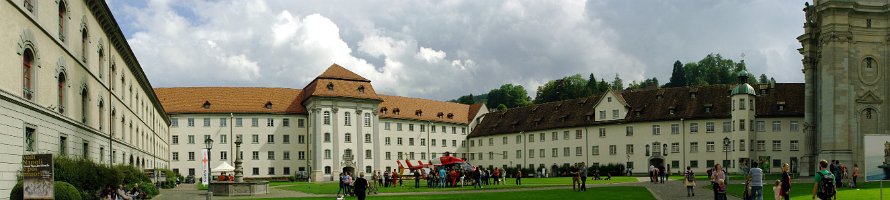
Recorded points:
(444, 49)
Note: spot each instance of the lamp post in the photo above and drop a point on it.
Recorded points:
(208, 143)
(725, 151)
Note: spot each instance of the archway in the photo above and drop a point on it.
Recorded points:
(350, 170)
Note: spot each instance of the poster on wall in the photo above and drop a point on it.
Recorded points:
(37, 174)
(877, 157)
(205, 168)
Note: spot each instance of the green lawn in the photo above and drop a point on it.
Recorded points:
(331, 187)
(704, 177)
(599, 193)
(805, 190)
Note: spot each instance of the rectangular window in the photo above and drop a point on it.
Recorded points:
(675, 128)
(286, 155)
(555, 152)
(398, 126)
(63, 145)
(709, 127)
(531, 137)
(727, 127)
(433, 128)
(741, 107)
(742, 145)
(630, 131)
(286, 139)
(710, 146)
(693, 147)
(387, 141)
(270, 122)
(191, 122)
(410, 141)
(519, 139)
(741, 125)
(410, 127)
(271, 155)
(206, 122)
(270, 139)
(777, 145)
(595, 150)
(400, 155)
(399, 141)
(191, 139)
(222, 122)
(613, 149)
(175, 139)
(327, 154)
(174, 122)
(367, 120)
(191, 156)
(578, 151)
(602, 132)
(630, 149)
(368, 154)
(518, 154)
(656, 130)
(223, 155)
(256, 171)
(777, 126)
(255, 122)
(255, 139)
(531, 153)
(795, 145)
(286, 171)
(285, 122)
(794, 127)
(385, 125)
(555, 136)
(255, 155)
(541, 153)
(602, 114)
(565, 135)
(301, 139)
(175, 156)
(614, 114)
(301, 155)
(239, 122)
(453, 143)
(301, 123)
(566, 151)
(223, 139)
(761, 145)
(693, 127)
(578, 134)
(675, 147)
(444, 130)
(693, 163)
(761, 126)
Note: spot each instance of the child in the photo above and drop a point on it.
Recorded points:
(777, 190)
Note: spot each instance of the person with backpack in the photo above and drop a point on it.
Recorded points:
(824, 188)
(689, 182)
(755, 176)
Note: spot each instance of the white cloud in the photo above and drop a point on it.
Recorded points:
(442, 50)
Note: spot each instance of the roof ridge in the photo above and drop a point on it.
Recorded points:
(336, 71)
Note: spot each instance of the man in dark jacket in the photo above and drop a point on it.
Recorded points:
(361, 186)
(416, 178)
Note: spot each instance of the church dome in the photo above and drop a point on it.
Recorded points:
(743, 87)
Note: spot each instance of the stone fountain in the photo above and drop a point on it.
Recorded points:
(238, 187)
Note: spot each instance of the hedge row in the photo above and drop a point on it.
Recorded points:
(91, 178)
(61, 191)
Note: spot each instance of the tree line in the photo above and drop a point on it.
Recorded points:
(710, 70)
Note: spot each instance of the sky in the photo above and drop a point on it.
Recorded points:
(445, 49)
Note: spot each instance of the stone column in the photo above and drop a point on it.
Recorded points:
(317, 150)
(335, 140)
(239, 172)
(360, 149)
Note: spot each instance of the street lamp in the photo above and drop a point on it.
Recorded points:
(726, 150)
(208, 143)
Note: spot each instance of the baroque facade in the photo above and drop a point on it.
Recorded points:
(675, 128)
(336, 123)
(845, 48)
(71, 86)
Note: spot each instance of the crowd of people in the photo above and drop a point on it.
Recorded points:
(122, 193)
(831, 176)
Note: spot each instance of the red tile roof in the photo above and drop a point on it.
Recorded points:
(186, 100)
(397, 107)
(338, 72)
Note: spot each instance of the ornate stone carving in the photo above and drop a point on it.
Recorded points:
(836, 36)
(869, 97)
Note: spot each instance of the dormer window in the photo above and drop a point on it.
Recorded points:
(637, 114)
(440, 114)
(330, 86)
(708, 108)
(671, 110)
(206, 105)
(418, 113)
(450, 116)
(781, 106)
(657, 97)
(361, 89)
(268, 105)
(692, 95)
(609, 99)
(383, 110)
(395, 111)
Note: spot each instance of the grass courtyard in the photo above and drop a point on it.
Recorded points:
(869, 190)
(408, 186)
(600, 193)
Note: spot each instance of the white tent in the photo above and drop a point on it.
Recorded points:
(224, 167)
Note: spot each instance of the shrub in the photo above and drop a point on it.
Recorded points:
(149, 189)
(17, 193)
(171, 179)
(65, 191)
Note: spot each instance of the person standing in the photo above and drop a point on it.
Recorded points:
(442, 178)
(497, 175)
(853, 183)
(477, 176)
(755, 176)
(386, 178)
(824, 187)
(361, 186)
(785, 188)
(519, 176)
(719, 178)
(652, 173)
(396, 178)
(416, 178)
(689, 181)
(575, 178)
(583, 171)
(343, 179)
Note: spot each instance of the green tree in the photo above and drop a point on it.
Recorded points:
(569, 87)
(592, 85)
(678, 76)
(617, 84)
(502, 107)
(508, 94)
(467, 99)
(763, 79)
(603, 86)
(648, 83)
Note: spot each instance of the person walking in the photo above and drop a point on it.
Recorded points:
(361, 186)
(755, 176)
(719, 178)
(785, 188)
(853, 183)
(519, 176)
(689, 181)
(583, 171)
(477, 176)
(416, 178)
(343, 179)
(824, 188)
(652, 173)
(349, 181)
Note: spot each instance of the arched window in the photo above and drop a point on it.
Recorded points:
(84, 42)
(347, 137)
(27, 74)
(327, 118)
(367, 138)
(101, 115)
(101, 61)
(346, 119)
(327, 137)
(84, 97)
(61, 87)
(63, 13)
(113, 120)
